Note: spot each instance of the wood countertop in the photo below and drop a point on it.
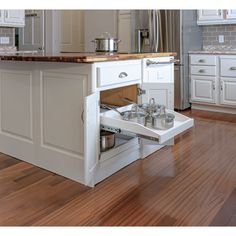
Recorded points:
(80, 57)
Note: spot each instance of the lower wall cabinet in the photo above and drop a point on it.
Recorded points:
(218, 89)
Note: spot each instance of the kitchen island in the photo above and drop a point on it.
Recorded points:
(50, 110)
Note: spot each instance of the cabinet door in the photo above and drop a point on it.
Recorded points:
(228, 91)
(31, 37)
(71, 31)
(15, 17)
(163, 93)
(230, 14)
(1, 16)
(91, 137)
(210, 15)
(124, 32)
(203, 89)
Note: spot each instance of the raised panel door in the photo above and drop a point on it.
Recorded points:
(203, 89)
(228, 91)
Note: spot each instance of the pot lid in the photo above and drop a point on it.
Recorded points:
(106, 35)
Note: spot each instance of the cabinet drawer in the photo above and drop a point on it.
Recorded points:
(114, 120)
(112, 73)
(228, 67)
(203, 70)
(203, 60)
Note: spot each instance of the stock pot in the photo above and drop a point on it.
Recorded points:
(106, 43)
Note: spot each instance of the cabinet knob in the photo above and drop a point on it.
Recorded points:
(123, 75)
(201, 60)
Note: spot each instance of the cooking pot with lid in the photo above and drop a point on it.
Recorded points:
(106, 43)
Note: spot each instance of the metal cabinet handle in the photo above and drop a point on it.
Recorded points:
(123, 75)
(219, 12)
(232, 68)
(31, 15)
(6, 14)
(213, 86)
(201, 60)
(201, 71)
(149, 62)
(82, 116)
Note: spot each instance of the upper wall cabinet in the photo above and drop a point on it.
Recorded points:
(216, 17)
(12, 18)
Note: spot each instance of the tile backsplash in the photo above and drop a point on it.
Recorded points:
(8, 32)
(211, 37)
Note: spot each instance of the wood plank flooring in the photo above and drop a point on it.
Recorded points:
(191, 184)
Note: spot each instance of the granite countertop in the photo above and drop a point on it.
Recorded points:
(214, 52)
(80, 57)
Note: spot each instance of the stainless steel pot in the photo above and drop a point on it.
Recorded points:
(135, 116)
(107, 140)
(162, 121)
(106, 43)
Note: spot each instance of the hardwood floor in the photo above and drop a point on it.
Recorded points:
(191, 184)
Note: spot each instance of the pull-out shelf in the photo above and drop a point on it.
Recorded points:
(114, 120)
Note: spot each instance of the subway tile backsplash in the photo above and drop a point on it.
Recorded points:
(211, 37)
(8, 32)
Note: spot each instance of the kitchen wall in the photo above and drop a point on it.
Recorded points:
(7, 32)
(211, 37)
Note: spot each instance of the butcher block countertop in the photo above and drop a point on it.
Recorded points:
(80, 57)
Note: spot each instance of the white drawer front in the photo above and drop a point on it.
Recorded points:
(228, 67)
(203, 60)
(118, 73)
(203, 70)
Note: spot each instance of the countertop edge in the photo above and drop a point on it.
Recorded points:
(82, 58)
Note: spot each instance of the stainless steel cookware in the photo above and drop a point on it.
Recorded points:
(106, 43)
(162, 121)
(135, 116)
(107, 140)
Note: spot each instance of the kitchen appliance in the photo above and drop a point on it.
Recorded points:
(106, 43)
(169, 31)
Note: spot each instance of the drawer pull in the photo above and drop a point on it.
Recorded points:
(201, 60)
(149, 62)
(201, 71)
(123, 75)
(213, 86)
(232, 68)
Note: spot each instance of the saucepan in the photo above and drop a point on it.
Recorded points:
(131, 115)
(106, 43)
(162, 121)
(107, 140)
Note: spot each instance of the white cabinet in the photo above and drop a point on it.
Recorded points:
(12, 18)
(203, 78)
(31, 37)
(210, 14)
(203, 89)
(213, 82)
(50, 117)
(228, 80)
(228, 91)
(230, 14)
(216, 17)
(1, 16)
(158, 81)
(71, 31)
(124, 30)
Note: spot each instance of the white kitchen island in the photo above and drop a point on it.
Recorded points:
(50, 111)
